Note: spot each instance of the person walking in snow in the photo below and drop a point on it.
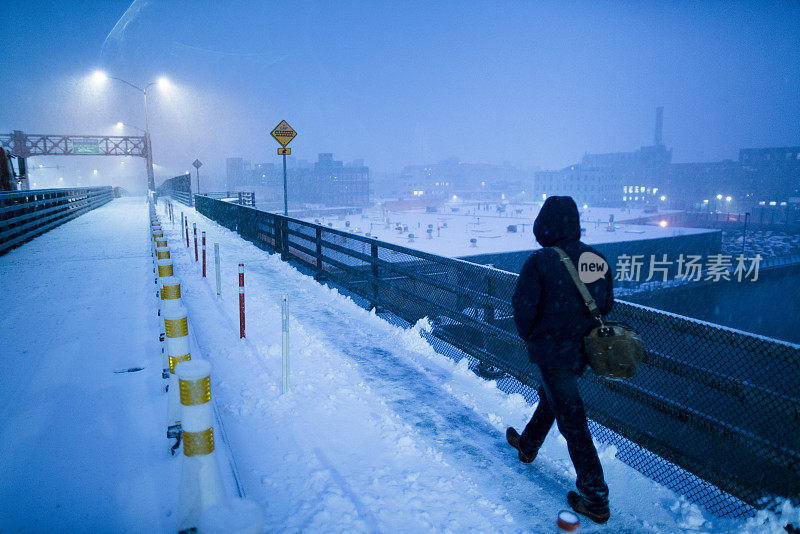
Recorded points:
(552, 319)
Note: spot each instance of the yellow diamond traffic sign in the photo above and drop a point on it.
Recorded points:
(283, 133)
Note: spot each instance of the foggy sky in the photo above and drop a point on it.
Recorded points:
(397, 83)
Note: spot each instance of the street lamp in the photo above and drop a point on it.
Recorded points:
(100, 77)
(123, 125)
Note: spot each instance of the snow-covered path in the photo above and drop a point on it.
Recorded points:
(379, 433)
(82, 443)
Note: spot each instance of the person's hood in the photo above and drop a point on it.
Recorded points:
(558, 222)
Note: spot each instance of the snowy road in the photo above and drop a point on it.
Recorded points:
(81, 442)
(379, 433)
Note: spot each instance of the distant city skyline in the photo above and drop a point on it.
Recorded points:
(396, 84)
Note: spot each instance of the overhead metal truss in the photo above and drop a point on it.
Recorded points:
(26, 145)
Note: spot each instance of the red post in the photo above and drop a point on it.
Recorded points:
(187, 232)
(241, 300)
(194, 226)
(204, 254)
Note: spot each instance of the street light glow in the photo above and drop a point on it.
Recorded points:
(663, 224)
(727, 199)
(120, 125)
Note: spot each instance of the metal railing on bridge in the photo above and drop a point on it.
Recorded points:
(178, 188)
(244, 198)
(27, 214)
(710, 402)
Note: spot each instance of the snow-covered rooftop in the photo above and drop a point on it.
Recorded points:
(454, 225)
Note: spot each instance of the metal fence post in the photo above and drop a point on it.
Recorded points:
(216, 266)
(241, 300)
(285, 339)
(375, 274)
(318, 243)
(276, 230)
(284, 239)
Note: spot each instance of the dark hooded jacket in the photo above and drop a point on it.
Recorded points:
(548, 310)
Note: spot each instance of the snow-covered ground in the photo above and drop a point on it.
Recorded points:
(455, 224)
(83, 443)
(379, 433)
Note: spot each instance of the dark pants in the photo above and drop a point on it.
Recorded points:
(560, 401)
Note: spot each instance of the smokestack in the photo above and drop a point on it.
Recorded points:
(659, 125)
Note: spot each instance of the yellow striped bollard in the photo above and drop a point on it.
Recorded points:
(162, 253)
(170, 293)
(201, 481)
(165, 268)
(176, 350)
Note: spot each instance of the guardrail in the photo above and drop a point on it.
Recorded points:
(27, 214)
(178, 188)
(245, 198)
(723, 405)
(183, 197)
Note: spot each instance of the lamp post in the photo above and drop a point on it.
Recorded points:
(102, 76)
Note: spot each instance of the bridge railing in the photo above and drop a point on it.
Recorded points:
(27, 214)
(245, 198)
(178, 188)
(714, 413)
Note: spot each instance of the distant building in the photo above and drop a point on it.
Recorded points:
(454, 177)
(327, 182)
(330, 183)
(762, 176)
(697, 185)
(237, 173)
(772, 174)
(610, 179)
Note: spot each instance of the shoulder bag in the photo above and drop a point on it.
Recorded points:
(615, 350)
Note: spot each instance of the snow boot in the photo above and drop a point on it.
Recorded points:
(513, 439)
(579, 505)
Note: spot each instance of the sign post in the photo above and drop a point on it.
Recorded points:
(197, 164)
(283, 134)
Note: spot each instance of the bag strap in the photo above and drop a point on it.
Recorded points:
(582, 289)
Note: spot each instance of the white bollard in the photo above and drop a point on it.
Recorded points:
(162, 253)
(285, 344)
(201, 481)
(216, 266)
(236, 516)
(170, 292)
(176, 351)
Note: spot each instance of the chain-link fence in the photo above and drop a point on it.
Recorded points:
(709, 403)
